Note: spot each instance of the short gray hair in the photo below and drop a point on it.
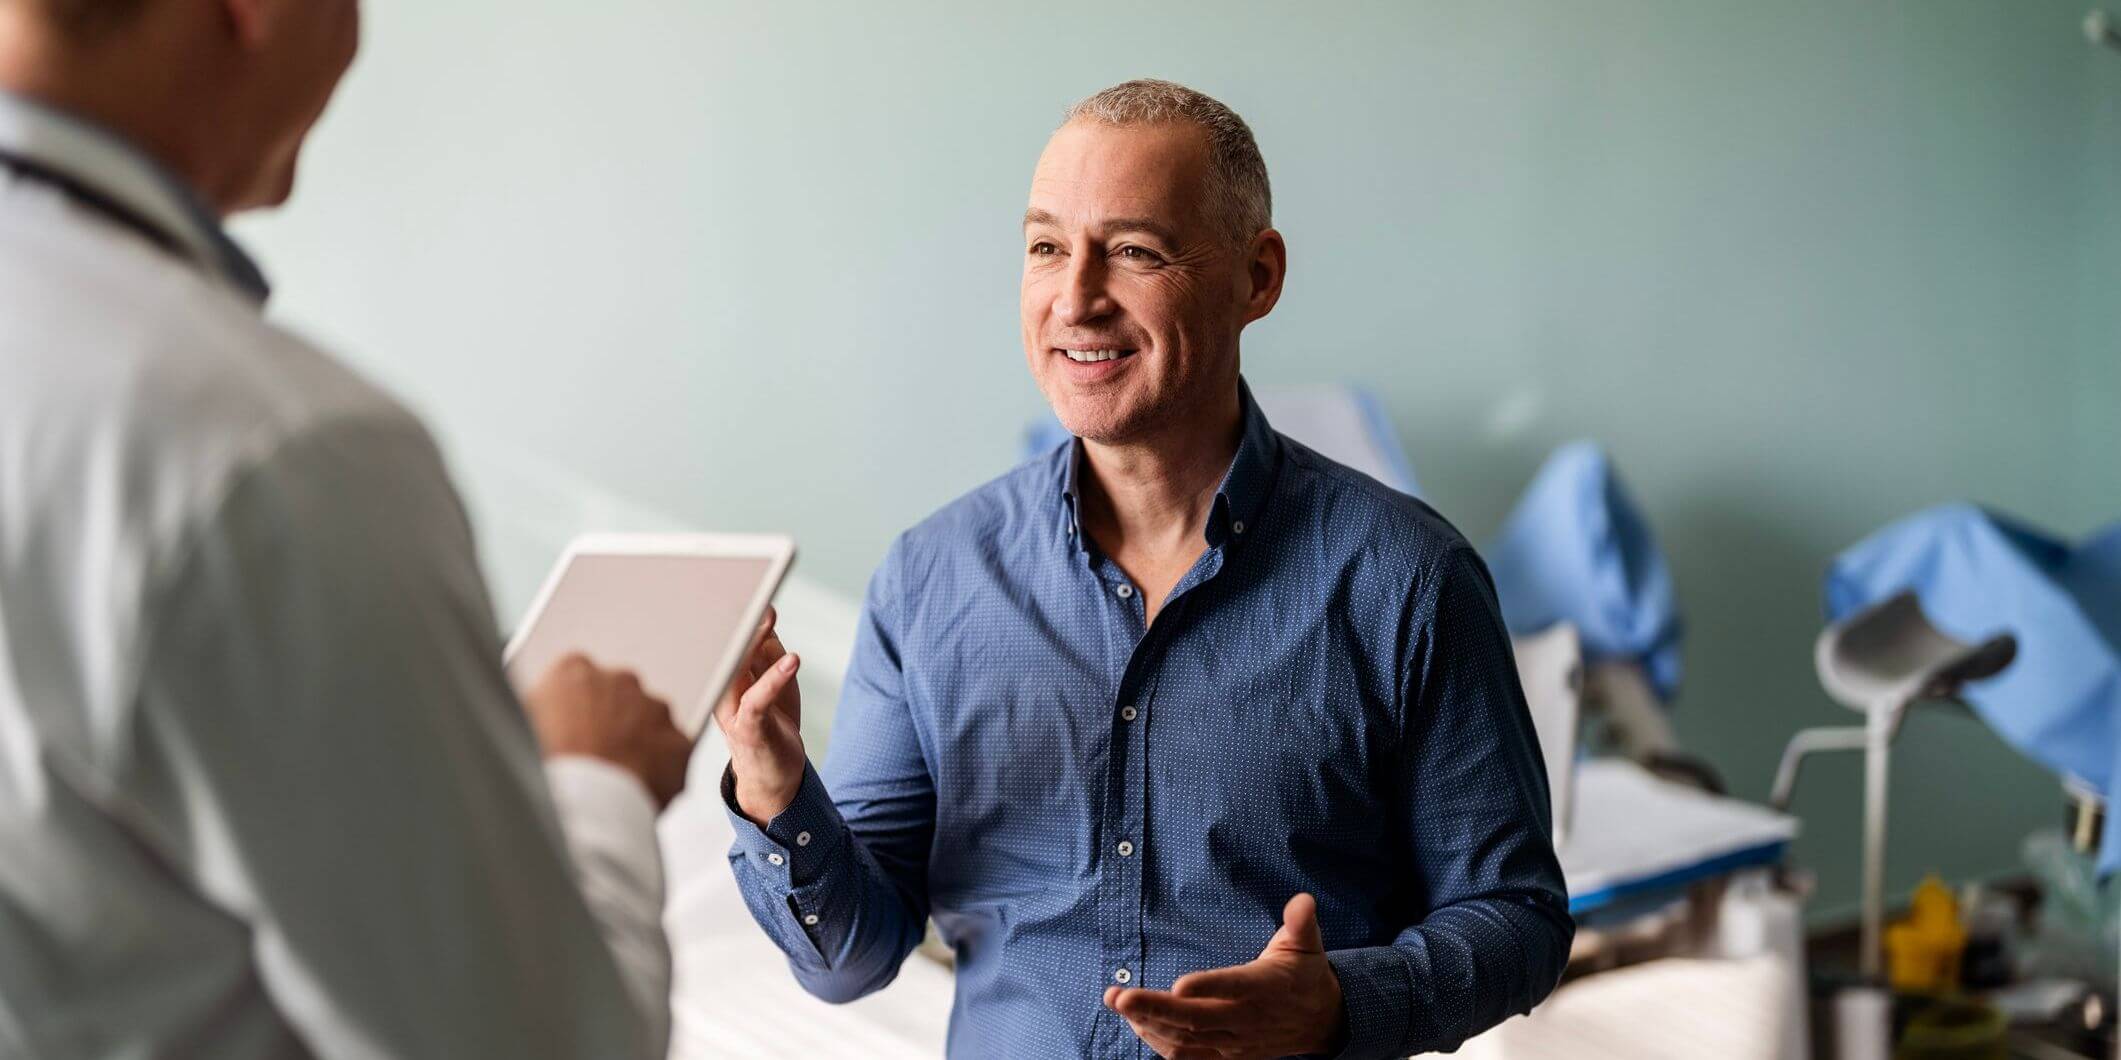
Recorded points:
(1237, 173)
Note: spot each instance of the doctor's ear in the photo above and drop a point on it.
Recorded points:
(253, 21)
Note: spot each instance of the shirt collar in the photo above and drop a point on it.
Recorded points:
(110, 167)
(1240, 498)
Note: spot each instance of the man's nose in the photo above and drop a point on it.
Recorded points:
(1083, 298)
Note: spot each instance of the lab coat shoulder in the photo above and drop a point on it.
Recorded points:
(132, 347)
(140, 358)
(262, 650)
(143, 393)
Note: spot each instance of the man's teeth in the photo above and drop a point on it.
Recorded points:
(1092, 356)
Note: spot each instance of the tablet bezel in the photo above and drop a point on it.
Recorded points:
(777, 549)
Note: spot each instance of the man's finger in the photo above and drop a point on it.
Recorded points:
(1228, 984)
(1299, 928)
(747, 672)
(759, 638)
(766, 691)
(1194, 1052)
(1205, 1016)
(769, 650)
(725, 707)
(1177, 1035)
(1169, 1044)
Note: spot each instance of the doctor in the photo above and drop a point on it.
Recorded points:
(264, 789)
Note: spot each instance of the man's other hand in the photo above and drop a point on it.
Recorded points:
(580, 708)
(1286, 1002)
(762, 718)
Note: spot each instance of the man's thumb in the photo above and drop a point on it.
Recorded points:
(1299, 928)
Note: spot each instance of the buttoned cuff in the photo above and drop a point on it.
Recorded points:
(794, 848)
(1375, 995)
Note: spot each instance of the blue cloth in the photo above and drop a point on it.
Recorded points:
(1326, 704)
(1577, 549)
(1978, 574)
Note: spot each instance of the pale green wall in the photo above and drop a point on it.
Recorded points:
(1803, 265)
(2098, 391)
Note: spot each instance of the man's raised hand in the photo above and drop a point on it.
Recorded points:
(761, 716)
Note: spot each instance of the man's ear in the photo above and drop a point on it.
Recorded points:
(1266, 268)
(252, 21)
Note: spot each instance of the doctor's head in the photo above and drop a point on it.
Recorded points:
(1148, 246)
(222, 92)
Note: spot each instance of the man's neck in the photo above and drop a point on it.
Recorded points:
(1152, 496)
(127, 99)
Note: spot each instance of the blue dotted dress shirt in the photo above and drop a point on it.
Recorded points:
(1327, 703)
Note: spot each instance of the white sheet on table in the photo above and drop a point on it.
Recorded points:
(732, 993)
(1630, 826)
(1673, 1009)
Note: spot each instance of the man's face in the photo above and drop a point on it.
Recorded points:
(307, 47)
(1132, 296)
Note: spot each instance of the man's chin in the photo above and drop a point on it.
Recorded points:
(1103, 425)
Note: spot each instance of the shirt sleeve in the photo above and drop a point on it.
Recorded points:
(839, 880)
(1496, 934)
(328, 748)
(608, 818)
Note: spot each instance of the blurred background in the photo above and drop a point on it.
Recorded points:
(1800, 268)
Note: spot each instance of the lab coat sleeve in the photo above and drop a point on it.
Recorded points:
(1496, 931)
(839, 880)
(608, 818)
(328, 748)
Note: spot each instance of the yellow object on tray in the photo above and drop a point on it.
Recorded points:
(1922, 952)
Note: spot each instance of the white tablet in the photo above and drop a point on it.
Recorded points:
(679, 610)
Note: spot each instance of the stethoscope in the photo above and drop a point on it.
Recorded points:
(93, 199)
(226, 260)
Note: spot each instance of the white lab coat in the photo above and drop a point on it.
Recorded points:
(264, 789)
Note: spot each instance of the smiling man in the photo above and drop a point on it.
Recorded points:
(1189, 739)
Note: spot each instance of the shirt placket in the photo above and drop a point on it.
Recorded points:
(1124, 827)
(1117, 854)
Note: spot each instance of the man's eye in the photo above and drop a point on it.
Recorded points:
(1044, 250)
(1140, 254)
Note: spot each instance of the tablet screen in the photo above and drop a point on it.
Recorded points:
(677, 621)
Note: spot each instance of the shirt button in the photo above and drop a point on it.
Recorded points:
(1128, 713)
(1126, 849)
(810, 919)
(1125, 591)
(1123, 977)
(775, 859)
(802, 839)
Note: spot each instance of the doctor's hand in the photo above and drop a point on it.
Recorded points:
(1285, 1003)
(580, 708)
(762, 717)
